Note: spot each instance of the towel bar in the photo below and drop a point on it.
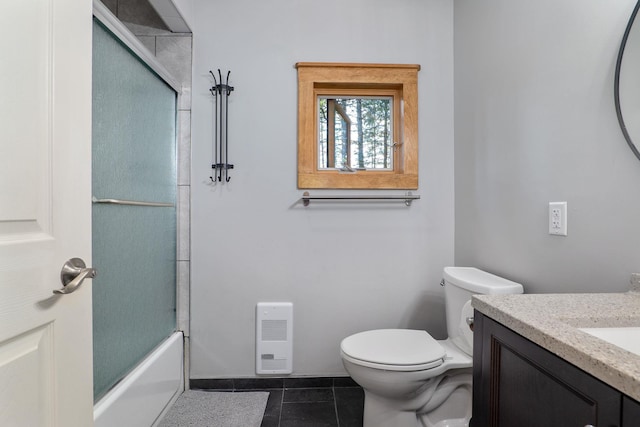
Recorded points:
(407, 198)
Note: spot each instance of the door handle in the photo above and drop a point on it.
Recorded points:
(72, 275)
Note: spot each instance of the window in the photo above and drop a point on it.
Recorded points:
(357, 126)
(355, 133)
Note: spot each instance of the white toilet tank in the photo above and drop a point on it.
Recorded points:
(460, 283)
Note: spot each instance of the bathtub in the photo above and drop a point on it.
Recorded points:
(143, 396)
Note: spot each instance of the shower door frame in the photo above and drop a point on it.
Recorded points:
(113, 24)
(110, 403)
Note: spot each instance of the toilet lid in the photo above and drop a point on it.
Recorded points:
(399, 347)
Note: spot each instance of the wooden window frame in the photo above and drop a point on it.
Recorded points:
(351, 79)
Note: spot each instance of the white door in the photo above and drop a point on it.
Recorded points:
(45, 212)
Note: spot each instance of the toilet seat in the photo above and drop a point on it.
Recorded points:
(393, 350)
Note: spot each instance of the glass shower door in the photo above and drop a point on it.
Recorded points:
(134, 246)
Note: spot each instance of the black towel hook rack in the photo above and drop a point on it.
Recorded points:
(221, 90)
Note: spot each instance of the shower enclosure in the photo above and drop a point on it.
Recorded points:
(134, 213)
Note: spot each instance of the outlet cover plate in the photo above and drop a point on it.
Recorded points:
(558, 218)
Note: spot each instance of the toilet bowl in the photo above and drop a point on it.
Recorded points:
(409, 378)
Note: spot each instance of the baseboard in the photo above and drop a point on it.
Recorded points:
(237, 384)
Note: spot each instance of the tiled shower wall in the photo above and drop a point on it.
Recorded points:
(173, 51)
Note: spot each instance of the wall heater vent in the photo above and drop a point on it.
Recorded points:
(274, 338)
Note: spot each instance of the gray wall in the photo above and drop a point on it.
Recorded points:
(348, 267)
(535, 123)
(139, 12)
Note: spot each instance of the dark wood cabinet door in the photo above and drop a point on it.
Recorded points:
(518, 383)
(630, 412)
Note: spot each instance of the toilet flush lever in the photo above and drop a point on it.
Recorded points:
(470, 322)
(442, 282)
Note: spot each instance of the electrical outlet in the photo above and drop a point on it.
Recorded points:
(558, 218)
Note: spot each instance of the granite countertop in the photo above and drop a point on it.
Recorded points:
(551, 321)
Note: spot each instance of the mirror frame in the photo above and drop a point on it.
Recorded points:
(351, 78)
(616, 84)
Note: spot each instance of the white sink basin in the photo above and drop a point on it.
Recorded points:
(627, 338)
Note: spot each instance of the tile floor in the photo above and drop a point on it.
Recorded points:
(300, 402)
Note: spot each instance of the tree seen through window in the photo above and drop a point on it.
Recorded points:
(355, 133)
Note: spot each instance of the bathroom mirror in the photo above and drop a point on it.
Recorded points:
(627, 85)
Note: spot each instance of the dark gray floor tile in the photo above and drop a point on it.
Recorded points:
(350, 406)
(270, 421)
(314, 414)
(271, 416)
(344, 382)
(308, 395)
(274, 403)
(300, 402)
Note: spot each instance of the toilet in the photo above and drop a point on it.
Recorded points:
(409, 378)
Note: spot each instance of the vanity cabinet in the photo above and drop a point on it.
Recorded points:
(519, 383)
(630, 412)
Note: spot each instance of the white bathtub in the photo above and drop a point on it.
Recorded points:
(142, 397)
